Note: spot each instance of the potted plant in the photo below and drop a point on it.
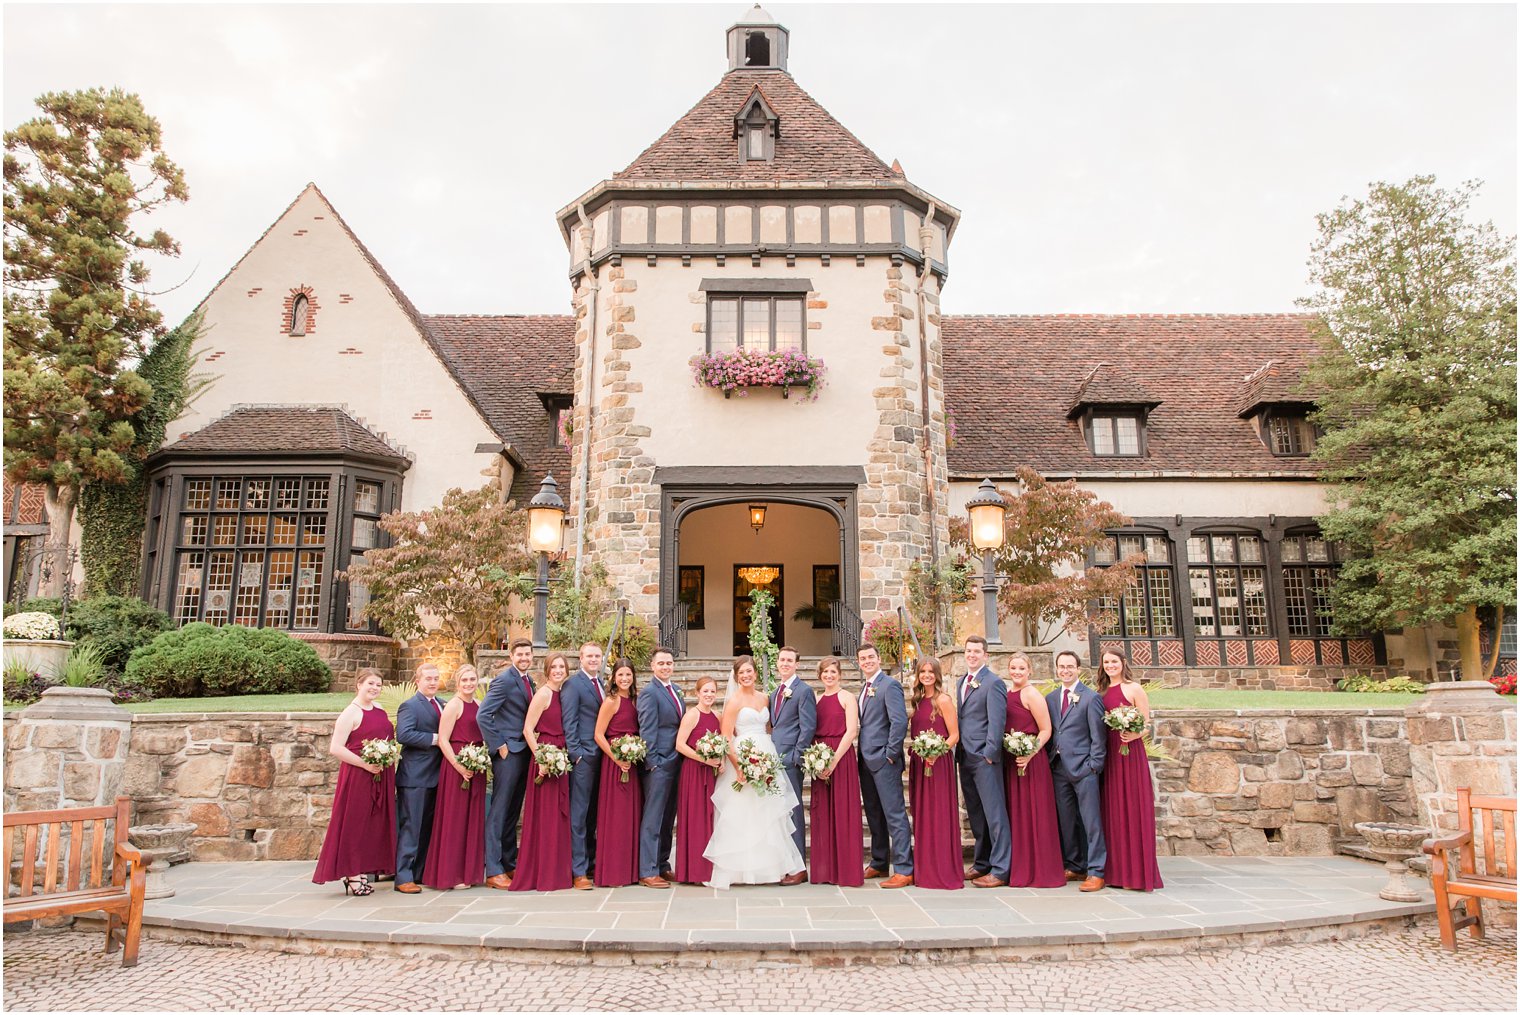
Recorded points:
(33, 640)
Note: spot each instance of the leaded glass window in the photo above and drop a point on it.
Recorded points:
(757, 323)
(1227, 586)
(1145, 610)
(1309, 565)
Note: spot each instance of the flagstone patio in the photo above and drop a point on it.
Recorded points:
(1207, 901)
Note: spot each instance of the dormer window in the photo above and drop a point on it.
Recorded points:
(757, 126)
(1115, 433)
(1113, 406)
(1288, 432)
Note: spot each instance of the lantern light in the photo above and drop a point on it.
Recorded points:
(546, 518)
(987, 510)
(757, 516)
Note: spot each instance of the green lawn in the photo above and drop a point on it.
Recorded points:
(1162, 698)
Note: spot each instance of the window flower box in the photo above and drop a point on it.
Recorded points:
(739, 370)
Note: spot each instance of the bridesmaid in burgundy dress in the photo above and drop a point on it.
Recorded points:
(543, 861)
(932, 792)
(1129, 805)
(694, 806)
(361, 837)
(456, 856)
(834, 813)
(1036, 834)
(620, 798)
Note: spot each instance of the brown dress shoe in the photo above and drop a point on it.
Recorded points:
(872, 873)
(898, 881)
(409, 888)
(971, 874)
(795, 879)
(1073, 876)
(668, 876)
(989, 880)
(584, 883)
(655, 882)
(1092, 884)
(499, 881)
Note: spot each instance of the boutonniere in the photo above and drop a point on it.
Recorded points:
(786, 692)
(1075, 697)
(975, 683)
(871, 691)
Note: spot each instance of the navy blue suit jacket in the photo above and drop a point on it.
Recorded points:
(579, 704)
(659, 718)
(416, 726)
(795, 721)
(503, 712)
(883, 723)
(983, 715)
(1079, 736)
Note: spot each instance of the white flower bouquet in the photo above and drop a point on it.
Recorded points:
(928, 745)
(384, 753)
(761, 769)
(629, 749)
(553, 762)
(817, 759)
(1020, 745)
(473, 758)
(711, 746)
(1125, 719)
(34, 626)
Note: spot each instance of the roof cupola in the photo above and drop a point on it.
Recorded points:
(757, 42)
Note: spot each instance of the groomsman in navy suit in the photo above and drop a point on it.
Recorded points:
(580, 700)
(661, 708)
(500, 719)
(416, 777)
(1078, 748)
(883, 727)
(794, 719)
(982, 705)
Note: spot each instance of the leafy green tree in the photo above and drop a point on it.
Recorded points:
(460, 564)
(1048, 531)
(76, 313)
(1416, 395)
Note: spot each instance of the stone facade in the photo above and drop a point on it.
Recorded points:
(347, 654)
(257, 786)
(68, 749)
(1460, 735)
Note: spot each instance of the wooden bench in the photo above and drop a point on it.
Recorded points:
(1465, 881)
(72, 888)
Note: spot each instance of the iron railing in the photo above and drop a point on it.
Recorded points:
(845, 627)
(673, 629)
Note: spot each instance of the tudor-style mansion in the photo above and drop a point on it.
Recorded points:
(756, 222)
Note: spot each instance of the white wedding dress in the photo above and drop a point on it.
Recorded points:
(751, 840)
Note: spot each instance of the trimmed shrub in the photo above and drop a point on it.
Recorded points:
(116, 625)
(36, 604)
(638, 641)
(200, 661)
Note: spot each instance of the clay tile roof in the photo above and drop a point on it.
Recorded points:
(1009, 381)
(1108, 384)
(294, 429)
(506, 362)
(812, 145)
(1273, 383)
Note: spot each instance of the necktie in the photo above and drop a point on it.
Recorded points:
(1065, 700)
(965, 688)
(601, 692)
(674, 696)
(776, 703)
(527, 683)
(437, 706)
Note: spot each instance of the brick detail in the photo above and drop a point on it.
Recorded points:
(1302, 651)
(350, 351)
(1140, 653)
(289, 306)
(1207, 652)
(1330, 651)
(1265, 652)
(423, 414)
(1236, 653)
(1171, 653)
(1361, 652)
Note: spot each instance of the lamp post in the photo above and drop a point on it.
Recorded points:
(987, 510)
(546, 519)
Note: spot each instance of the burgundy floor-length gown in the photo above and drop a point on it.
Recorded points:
(694, 809)
(1036, 833)
(543, 860)
(937, 850)
(457, 850)
(1129, 810)
(838, 856)
(361, 837)
(619, 806)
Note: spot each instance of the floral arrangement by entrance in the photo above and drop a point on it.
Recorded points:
(742, 369)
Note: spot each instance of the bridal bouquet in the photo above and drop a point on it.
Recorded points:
(384, 753)
(553, 760)
(630, 749)
(928, 745)
(1125, 719)
(817, 759)
(1021, 745)
(711, 746)
(473, 758)
(761, 769)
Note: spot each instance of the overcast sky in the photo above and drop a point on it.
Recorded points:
(1104, 158)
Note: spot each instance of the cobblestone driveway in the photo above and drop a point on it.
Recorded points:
(1401, 971)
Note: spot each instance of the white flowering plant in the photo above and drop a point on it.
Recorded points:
(711, 746)
(553, 762)
(817, 759)
(473, 758)
(1125, 719)
(384, 753)
(761, 769)
(34, 626)
(1020, 745)
(929, 745)
(629, 749)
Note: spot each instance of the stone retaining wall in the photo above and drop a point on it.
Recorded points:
(347, 654)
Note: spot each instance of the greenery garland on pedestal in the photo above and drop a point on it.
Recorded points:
(761, 646)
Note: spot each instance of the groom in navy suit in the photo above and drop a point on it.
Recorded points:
(500, 719)
(580, 700)
(794, 719)
(883, 727)
(661, 709)
(1078, 748)
(416, 777)
(982, 702)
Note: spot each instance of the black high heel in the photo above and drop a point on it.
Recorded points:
(358, 886)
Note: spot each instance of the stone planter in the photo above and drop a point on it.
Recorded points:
(161, 845)
(1394, 844)
(46, 658)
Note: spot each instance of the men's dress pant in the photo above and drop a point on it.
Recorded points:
(585, 780)
(414, 830)
(881, 792)
(509, 784)
(987, 808)
(657, 826)
(799, 834)
(1079, 809)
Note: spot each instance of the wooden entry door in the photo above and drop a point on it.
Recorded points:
(742, 604)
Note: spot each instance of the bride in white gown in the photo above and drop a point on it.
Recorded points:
(751, 840)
